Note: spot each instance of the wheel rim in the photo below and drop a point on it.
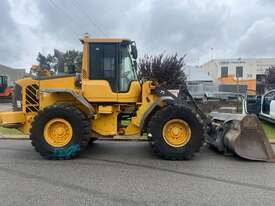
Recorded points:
(176, 133)
(58, 132)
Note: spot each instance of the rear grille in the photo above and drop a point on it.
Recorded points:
(32, 100)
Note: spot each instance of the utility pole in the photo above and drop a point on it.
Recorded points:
(238, 91)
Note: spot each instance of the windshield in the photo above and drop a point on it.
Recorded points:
(127, 69)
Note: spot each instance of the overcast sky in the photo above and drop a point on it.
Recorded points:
(232, 28)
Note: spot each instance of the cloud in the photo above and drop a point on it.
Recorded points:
(10, 49)
(193, 27)
(259, 39)
(190, 27)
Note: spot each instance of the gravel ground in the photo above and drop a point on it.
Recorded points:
(126, 173)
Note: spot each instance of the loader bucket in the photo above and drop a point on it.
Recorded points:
(242, 135)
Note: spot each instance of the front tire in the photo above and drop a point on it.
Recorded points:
(175, 133)
(60, 132)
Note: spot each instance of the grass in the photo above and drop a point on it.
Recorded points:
(5, 131)
(269, 129)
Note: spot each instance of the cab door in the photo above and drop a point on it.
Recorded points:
(112, 77)
(102, 85)
(128, 84)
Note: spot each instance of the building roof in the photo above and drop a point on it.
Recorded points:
(241, 60)
(195, 73)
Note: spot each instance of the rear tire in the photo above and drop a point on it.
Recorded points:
(79, 129)
(157, 127)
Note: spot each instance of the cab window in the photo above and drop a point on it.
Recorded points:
(103, 63)
(127, 73)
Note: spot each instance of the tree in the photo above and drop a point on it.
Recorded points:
(73, 58)
(166, 70)
(43, 61)
(270, 77)
(60, 61)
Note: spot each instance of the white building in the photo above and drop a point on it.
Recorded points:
(248, 72)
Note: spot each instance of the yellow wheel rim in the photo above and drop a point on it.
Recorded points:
(176, 133)
(58, 132)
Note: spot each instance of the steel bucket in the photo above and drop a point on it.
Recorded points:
(241, 134)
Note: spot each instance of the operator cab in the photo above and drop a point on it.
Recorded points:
(114, 63)
(111, 70)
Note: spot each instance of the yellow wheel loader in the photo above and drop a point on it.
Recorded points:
(62, 114)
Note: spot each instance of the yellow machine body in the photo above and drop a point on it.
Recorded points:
(63, 113)
(106, 104)
(105, 117)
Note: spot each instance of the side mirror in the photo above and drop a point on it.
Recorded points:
(77, 79)
(134, 50)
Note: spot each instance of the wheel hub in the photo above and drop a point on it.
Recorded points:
(176, 133)
(58, 132)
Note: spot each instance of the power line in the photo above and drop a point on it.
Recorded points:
(84, 13)
(57, 7)
(89, 18)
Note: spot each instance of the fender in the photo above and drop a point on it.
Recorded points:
(78, 97)
(152, 109)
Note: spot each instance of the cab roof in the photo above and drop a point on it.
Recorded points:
(103, 40)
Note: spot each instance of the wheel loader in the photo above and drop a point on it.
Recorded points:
(63, 113)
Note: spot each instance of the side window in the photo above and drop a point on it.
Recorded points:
(270, 96)
(127, 73)
(109, 67)
(2, 84)
(239, 72)
(5, 81)
(267, 101)
(103, 63)
(224, 71)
